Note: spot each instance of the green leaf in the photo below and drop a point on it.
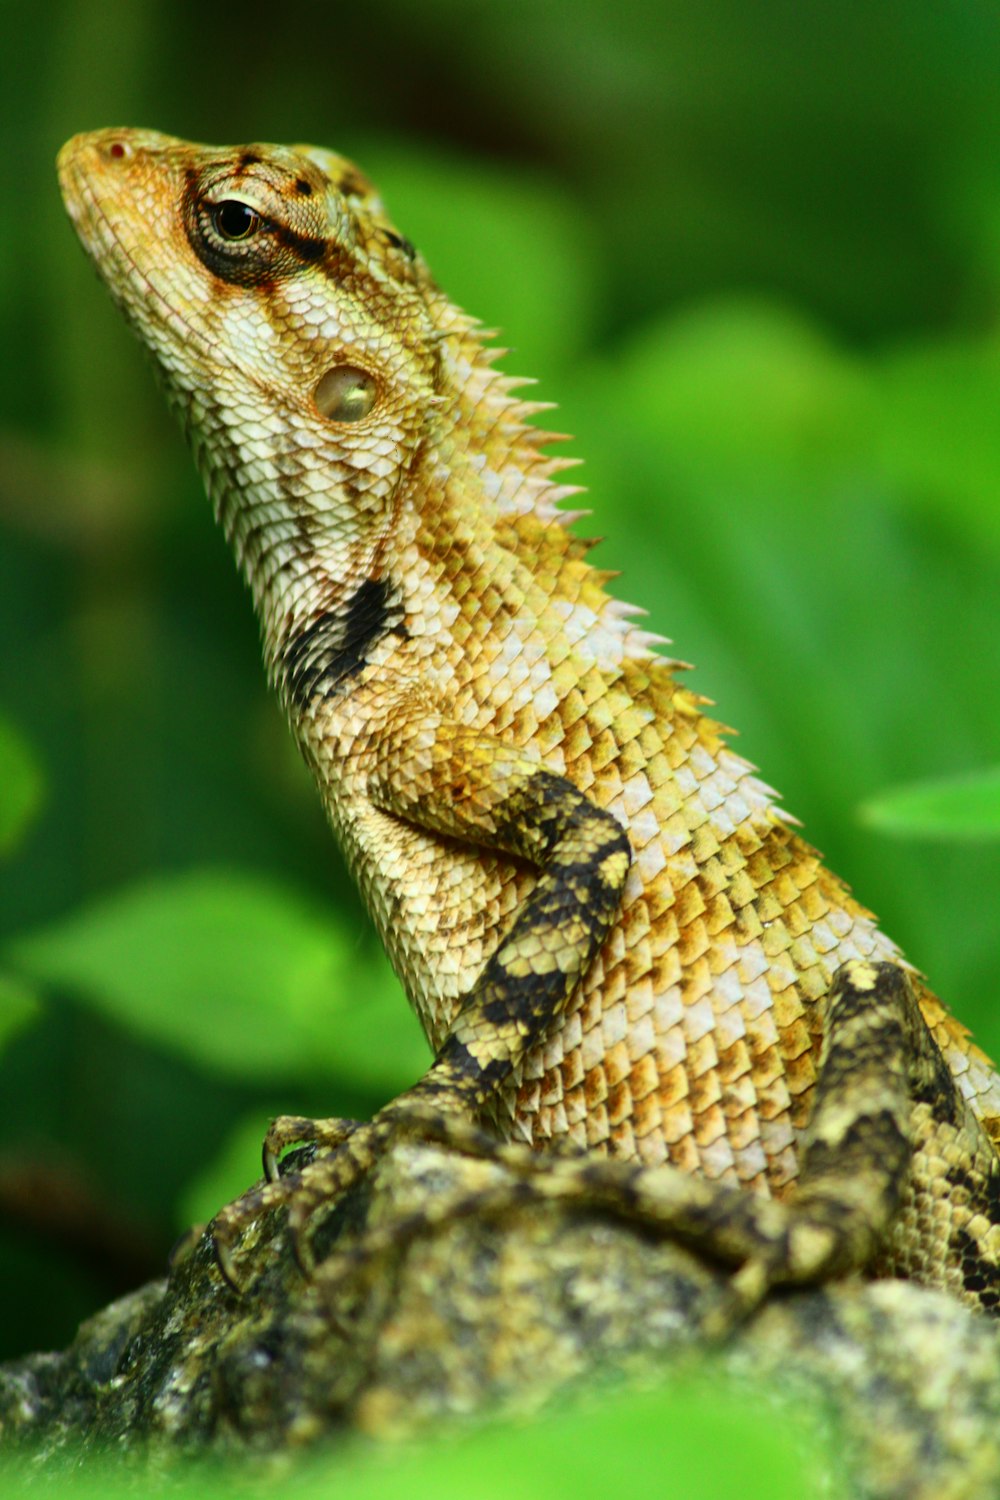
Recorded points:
(965, 808)
(19, 1006)
(939, 434)
(239, 973)
(735, 391)
(704, 1439)
(710, 1441)
(21, 787)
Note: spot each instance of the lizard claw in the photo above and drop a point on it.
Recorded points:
(298, 1130)
(304, 1188)
(227, 1263)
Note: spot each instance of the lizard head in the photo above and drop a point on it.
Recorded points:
(294, 327)
(348, 420)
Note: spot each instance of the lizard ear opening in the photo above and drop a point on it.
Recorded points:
(345, 394)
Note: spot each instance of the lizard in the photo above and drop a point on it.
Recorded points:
(641, 986)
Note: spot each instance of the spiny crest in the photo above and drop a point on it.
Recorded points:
(520, 480)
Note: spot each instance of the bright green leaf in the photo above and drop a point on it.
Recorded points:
(21, 787)
(705, 1439)
(966, 808)
(237, 972)
(737, 391)
(709, 1441)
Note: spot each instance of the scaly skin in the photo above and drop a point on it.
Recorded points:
(609, 932)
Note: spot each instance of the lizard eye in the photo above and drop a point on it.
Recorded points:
(233, 220)
(345, 394)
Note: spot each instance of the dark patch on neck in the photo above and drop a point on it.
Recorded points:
(337, 644)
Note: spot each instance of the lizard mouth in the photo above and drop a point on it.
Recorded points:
(91, 167)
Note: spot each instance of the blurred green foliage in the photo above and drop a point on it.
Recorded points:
(697, 1439)
(754, 252)
(963, 808)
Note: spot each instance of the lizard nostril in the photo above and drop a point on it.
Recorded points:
(117, 150)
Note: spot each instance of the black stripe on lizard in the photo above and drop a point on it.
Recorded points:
(336, 645)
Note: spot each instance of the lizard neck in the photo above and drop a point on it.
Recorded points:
(328, 533)
(488, 521)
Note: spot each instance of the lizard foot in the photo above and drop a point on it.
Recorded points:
(729, 1225)
(278, 1187)
(738, 1228)
(341, 1152)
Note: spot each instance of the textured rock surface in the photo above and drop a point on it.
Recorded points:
(499, 1313)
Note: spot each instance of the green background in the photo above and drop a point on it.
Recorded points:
(754, 253)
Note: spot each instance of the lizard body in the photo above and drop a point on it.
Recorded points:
(610, 934)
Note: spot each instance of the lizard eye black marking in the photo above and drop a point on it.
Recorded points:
(345, 394)
(233, 220)
(243, 245)
(232, 238)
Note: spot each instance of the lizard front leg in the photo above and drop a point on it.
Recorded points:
(456, 782)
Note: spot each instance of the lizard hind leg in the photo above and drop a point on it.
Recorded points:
(856, 1160)
(856, 1157)
(858, 1146)
(856, 1154)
